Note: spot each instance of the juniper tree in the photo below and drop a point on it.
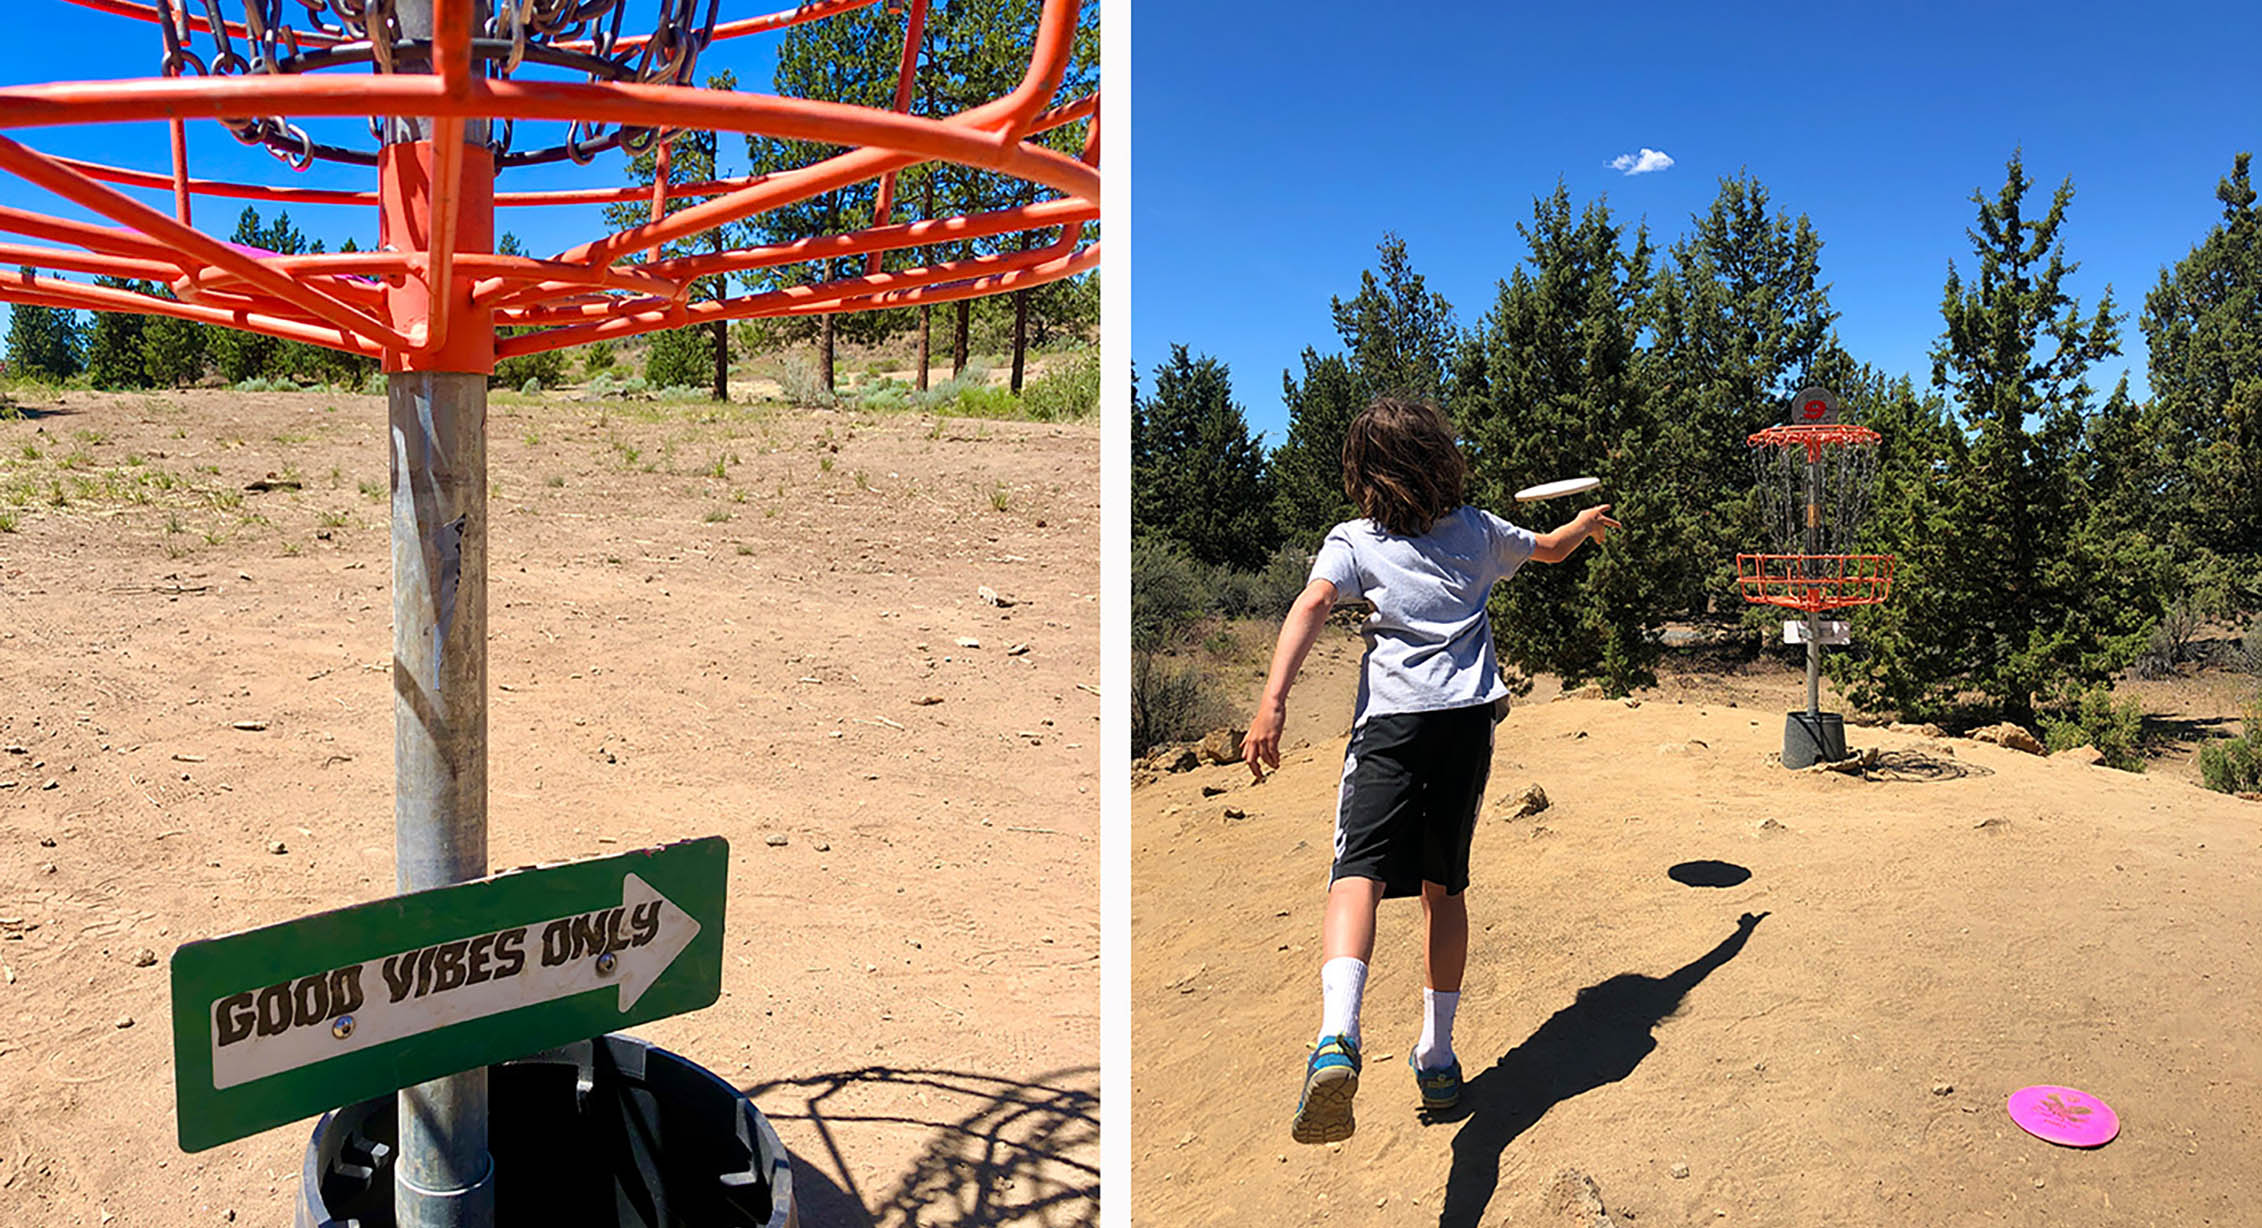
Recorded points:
(1557, 388)
(1197, 478)
(2018, 594)
(2203, 326)
(1398, 338)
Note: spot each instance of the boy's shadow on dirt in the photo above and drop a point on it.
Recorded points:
(995, 1152)
(1597, 1040)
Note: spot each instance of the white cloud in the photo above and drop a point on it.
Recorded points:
(1642, 163)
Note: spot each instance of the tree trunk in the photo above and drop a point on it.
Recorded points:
(1020, 336)
(721, 329)
(926, 310)
(958, 345)
(825, 353)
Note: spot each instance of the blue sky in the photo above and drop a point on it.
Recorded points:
(76, 44)
(1274, 143)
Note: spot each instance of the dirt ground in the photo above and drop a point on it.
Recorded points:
(1966, 921)
(737, 621)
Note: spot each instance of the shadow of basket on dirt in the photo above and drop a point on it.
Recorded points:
(997, 1152)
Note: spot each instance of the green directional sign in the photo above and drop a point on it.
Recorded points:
(281, 1023)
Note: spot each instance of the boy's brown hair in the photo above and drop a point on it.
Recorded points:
(1401, 465)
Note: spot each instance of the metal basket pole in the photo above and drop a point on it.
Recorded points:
(438, 435)
(1814, 603)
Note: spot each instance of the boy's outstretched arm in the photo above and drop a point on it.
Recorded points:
(1564, 542)
(1261, 747)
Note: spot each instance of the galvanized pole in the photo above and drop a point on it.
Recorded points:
(1814, 614)
(444, 1176)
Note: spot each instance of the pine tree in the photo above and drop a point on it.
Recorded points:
(1557, 389)
(546, 368)
(242, 355)
(2203, 326)
(173, 350)
(116, 341)
(44, 342)
(693, 157)
(1197, 478)
(1398, 338)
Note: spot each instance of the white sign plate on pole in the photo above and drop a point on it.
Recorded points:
(1794, 632)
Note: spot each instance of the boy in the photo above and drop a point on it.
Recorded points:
(1421, 741)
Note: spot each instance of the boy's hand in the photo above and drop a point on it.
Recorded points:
(1260, 747)
(1595, 522)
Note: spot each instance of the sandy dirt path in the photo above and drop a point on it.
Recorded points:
(741, 622)
(1967, 921)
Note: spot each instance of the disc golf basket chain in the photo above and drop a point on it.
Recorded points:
(1815, 482)
(454, 92)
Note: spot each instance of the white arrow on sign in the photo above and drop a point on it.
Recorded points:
(379, 1019)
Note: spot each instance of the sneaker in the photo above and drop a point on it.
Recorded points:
(1323, 1114)
(1441, 1088)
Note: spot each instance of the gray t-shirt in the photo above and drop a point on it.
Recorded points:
(1429, 644)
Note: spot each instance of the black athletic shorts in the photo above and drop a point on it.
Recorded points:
(1412, 784)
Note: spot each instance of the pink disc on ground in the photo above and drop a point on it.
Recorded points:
(2064, 1116)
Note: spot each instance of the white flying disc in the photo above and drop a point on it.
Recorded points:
(1556, 490)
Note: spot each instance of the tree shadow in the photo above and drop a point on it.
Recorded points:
(2185, 731)
(999, 1152)
(1595, 1041)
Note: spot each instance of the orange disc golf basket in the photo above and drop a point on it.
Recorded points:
(455, 93)
(1816, 476)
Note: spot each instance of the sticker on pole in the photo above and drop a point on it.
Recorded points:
(2064, 1116)
(1833, 632)
(276, 1024)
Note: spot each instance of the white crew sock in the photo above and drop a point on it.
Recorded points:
(1435, 1051)
(1343, 981)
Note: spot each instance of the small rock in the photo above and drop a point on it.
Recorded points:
(1235, 812)
(47, 842)
(1018, 650)
(775, 840)
(1679, 1170)
(1943, 1089)
(125, 1021)
(1528, 803)
(927, 701)
(989, 597)
(1633, 703)
(144, 958)
(52, 783)
(1221, 746)
(248, 726)
(47, 867)
(2010, 736)
(1182, 759)
(968, 641)
(278, 848)
(1997, 823)
(822, 846)
(2087, 755)
(1771, 825)
(1212, 790)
